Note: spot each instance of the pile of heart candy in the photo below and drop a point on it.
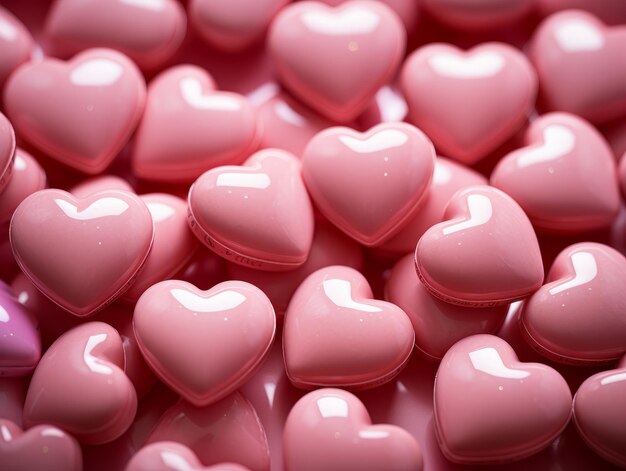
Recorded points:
(193, 273)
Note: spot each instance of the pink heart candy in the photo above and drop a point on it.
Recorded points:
(490, 408)
(600, 415)
(41, 447)
(335, 334)
(578, 315)
(478, 14)
(407, 10)
(610, 11)
(16, 44)
(369, 184)
(80, 385)
(80, 112)
(256, 215)
(573, 41)
(330, 429)
(484, 254)
(81, 253)
(495, 83)
(565, 178)
(26, 178)
(233, 321)
(188, 127)
(362, 43)
(7, 149)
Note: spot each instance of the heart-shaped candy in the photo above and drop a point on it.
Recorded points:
(16, 44)
(258, 215)
(369, 184)
(330, 429)
(485, 253)
(565, 178)
(41, 447)
(80, 112)
(361, 42)
(26, 178)
(81, 253)
(579, 315)
(495, 84)
(7, 149)
(478, 14)
(188, 127)
(573, 41)
(335, 334)
(490, 408)
(80, 385)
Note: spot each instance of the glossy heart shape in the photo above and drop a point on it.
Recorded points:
(189, 127)
(335, 334)
(362, 43)
(81, 112)
(81, 253)
(478, 14)
(257, 215)
(490, 408)
(495, 83)
(369, 184)
(578, 315)
(16, 44)
(41, 447)
(565, 178)
(80, 386)
(484, 254)
(330, 429)
(568, 42)
(407, 11)
(233, 322)
(148, 31)
(26, 178)
(7, 149)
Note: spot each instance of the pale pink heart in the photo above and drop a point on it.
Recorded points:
(578, 315)
(490, 408)
(330, 429)
(41, 447)
(478, 14)
(407, 10)
(369, 184)
(81, 253)
(257, 215)
(361, 43)
(148, 31)
(600, 415)
(16, 44)
(484, 254)
(610, 11)
(188, 127)
(227, 431)
(565, 178)
(80, 386)
(81, 112)
(7, 151)
(233, 322)
(335, 334)
(26, 178)
(437, 324)
(495, 84)
(567, 43)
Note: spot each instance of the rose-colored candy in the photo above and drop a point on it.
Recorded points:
(80, 386)
(331, 430)
(478, 14)
(490, 408)
(495, 84)
(41, 447)
(565, 178)
(81, 112)
(581, 66)
(7, 149)
(336, 59)
(16, 44)
(148, 31)
(81, 253)
(189, 127)
(407, 10)
(26, 178)
(369, 184)
(609, 11)
(256, 215)
(485, 253)
(578, 315)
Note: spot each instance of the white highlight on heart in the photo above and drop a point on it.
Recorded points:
(96, 73)
(488, 360)
(557, 141)
(108, 206)
(270, 392)
(223, 301)
(480, 210)
(616, 378)
(288, 114)
(382, 140)
(478, 65)
(93, 363)
(7, 30)
(585, 269)
(341, 23)
(19, 164)
(6, 433)
(4, 315)
(153, 5)
(191, 91)
(244, 180)
(160, 211)
(373, 434)
(175, 462)
(340, 293)
(578, 35)
(442, 174)
(332, 406)
(392, 106)
(52, 432)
